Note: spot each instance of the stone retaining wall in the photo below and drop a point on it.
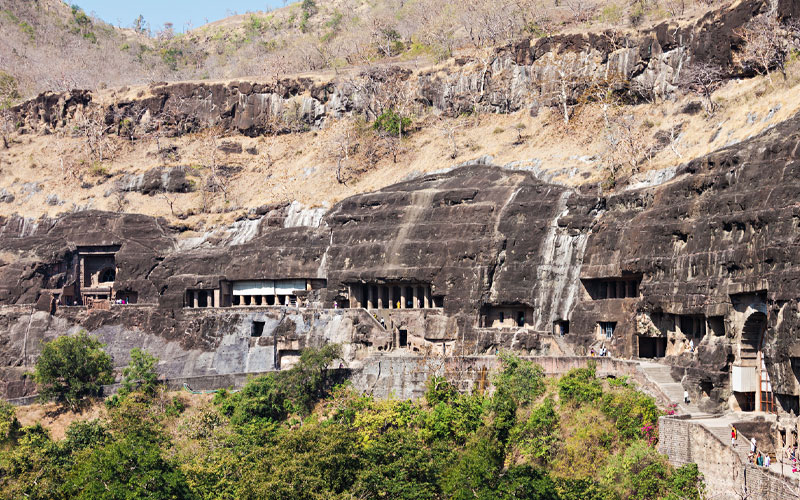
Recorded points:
(685, 441)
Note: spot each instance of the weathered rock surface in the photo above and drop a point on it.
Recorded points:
(641, 64)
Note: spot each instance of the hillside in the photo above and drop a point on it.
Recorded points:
(232, 146)
(48, 45)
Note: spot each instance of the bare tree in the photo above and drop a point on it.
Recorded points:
(448, 129)
(767, 44)
(120, 199)
(703, 79)
(170, 199)
(6, 126)
(92, 127)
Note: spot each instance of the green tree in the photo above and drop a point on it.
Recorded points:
(71, 369)
(475, 474)
(140, 374)
(521, 379)
(84, 434)
(128, 468)
(33, 468)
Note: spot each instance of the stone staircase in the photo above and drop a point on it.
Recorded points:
(660, 375)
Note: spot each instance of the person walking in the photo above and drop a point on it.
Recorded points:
(753, 445)
(686, 397)
(733, 436)
(767, 461)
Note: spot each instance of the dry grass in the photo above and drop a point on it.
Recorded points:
(58, 422)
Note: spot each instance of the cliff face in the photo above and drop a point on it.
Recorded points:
(697, 257)
(532, 73)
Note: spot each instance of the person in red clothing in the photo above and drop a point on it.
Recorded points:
(733, 436)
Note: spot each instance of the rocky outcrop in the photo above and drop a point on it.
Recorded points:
(157, 180)
(641, 64)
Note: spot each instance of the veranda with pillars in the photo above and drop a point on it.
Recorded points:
(392, 296)
(202, 298)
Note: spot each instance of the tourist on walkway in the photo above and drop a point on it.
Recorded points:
(753, 445)
(767, 461)
(733, 436)
(691, 345)
(760, 460)
(686, 397)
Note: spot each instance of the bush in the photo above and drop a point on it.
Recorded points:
(9, 425)
(85, 434)
(270, 398)
(580, 385)
(71, 369)
(538, 437)
(631, 411)
(392, 123)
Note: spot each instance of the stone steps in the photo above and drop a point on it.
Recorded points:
(661, 376)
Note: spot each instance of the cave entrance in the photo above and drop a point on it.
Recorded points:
(402, 340)
(750, 380)
(652, 347)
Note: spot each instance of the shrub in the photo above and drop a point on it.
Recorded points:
(9, 425)
(270, 398)
(85, 434)
(538, 437)
(580, 385)
(71, 369)
(392, 123)
(631, 411)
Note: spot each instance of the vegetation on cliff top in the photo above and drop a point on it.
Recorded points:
(296, 434)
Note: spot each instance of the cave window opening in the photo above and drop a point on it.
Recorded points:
(520, 318)
(257, 329)
(608, 327)
(402, 340)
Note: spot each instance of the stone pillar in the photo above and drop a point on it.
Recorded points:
(403, 297)
(217, 301)
(370, 303)
(391, 297)
(415, 297)
(426, 293)
(758, 382)
(380, 297)
(195, 299)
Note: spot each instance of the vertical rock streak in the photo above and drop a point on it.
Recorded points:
(559, 271)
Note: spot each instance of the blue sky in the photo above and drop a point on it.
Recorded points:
(178, 12)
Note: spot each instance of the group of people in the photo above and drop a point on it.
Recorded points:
(756, 457)
(602, 353)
